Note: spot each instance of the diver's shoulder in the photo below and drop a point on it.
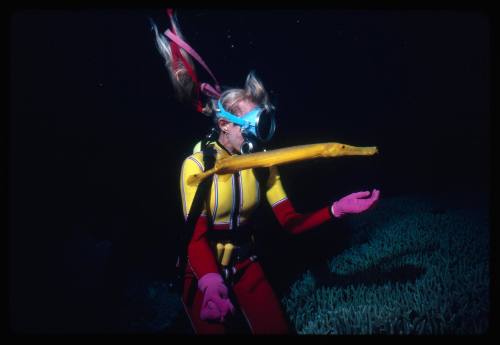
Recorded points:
(196, 158)
(198, 154)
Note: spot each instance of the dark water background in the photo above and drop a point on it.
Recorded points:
(96, 140)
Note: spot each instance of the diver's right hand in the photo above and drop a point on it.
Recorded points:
(216, 304)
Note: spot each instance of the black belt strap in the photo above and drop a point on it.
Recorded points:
(193, 215)
(237, 236)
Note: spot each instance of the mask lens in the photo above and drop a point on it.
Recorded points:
(265, 126)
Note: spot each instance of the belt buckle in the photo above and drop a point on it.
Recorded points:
(228, 272)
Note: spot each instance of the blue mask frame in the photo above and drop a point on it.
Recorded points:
(248, 122)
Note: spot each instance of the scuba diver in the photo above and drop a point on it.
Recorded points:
(222, 273)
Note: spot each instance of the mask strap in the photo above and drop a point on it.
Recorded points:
(233, 118)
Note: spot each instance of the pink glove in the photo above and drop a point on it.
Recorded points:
(216, 305)
(354, 203)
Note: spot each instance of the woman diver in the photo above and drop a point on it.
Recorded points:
(222, 273)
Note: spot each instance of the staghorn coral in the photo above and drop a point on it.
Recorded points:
(413, 268)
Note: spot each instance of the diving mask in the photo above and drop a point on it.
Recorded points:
(257, 126)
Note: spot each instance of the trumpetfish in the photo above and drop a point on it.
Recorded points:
(230, 164)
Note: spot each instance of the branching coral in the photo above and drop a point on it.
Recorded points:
(410, 270)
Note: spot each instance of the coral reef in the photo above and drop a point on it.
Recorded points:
(415, 266)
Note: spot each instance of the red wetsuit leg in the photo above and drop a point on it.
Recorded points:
(202, 261)
(259, 304)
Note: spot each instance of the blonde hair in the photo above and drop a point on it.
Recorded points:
(253, 91)
(186, 88)
(184, 85)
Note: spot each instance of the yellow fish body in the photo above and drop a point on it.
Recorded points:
(231, 164)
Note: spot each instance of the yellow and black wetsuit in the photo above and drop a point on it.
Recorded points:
(228, 208)
(225, 189)
(230, 204)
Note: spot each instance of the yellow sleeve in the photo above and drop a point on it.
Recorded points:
(274, 191)
(191, 165)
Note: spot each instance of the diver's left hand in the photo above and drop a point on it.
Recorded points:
(355, 203)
